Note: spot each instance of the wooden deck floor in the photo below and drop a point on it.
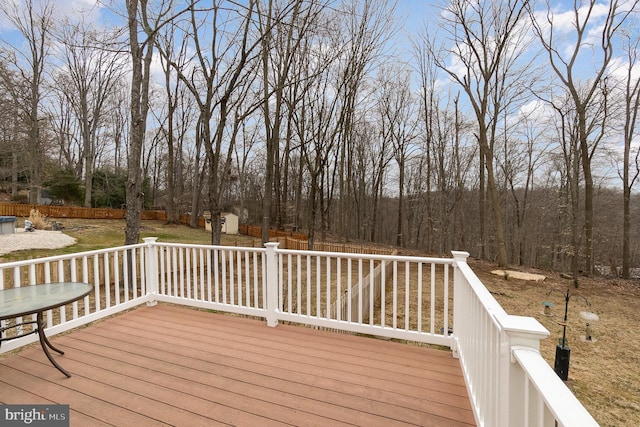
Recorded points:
(168, 365)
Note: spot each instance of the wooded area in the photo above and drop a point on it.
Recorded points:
(506, 129)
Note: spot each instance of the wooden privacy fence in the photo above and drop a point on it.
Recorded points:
(350, 248)
(256, 231)
(23, 210)
(287, 239)
(300, 242)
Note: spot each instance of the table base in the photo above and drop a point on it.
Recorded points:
(44, 341)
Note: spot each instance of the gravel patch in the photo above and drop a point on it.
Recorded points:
(38, 239)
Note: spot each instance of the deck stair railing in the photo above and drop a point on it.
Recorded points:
(360, 294)
(420, 299)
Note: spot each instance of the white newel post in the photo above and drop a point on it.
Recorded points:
(459, 258)
(151, 269)
(523, 333)
(272, 284)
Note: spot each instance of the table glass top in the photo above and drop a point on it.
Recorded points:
(25, 300)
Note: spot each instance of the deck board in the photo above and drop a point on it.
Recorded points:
(169, 365)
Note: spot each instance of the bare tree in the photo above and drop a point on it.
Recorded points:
(365, 29)
(397, 120)
(565, 64)
(566, 130)
(379, 157)
(12, 121)
(141, 55)
(142, 22)
(631, 161)
(315, 127)
(219, 78)
(521, 160)
(34, 22)
(445, 162)
(174, 93)
(92, 70)
(284, 26)
(245, 165)
(65, 127)
(116, 120)
(486, 44)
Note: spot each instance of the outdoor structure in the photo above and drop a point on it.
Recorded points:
(418, 299)
(228, 222)
(7, 224)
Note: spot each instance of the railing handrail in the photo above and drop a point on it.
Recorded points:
(569, 411)
(494, 347)
(52, 258)
(522, 376)
(488, 301)
(205, 246)
(377, 257)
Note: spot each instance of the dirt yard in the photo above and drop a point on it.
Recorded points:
(604, 373)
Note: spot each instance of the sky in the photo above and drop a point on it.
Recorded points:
(411, 16)
(413, 13)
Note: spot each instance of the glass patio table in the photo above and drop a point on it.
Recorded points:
(36, 299)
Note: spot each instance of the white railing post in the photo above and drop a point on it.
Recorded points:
(459, 258)
(272, 284)
(522, 333)
(151, 269)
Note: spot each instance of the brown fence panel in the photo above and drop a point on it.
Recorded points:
(23, 210)
(109, 213)
(250, 230)
(9, 209)
(256, 231)
(154, 215)
(185, 219)
(287, 239)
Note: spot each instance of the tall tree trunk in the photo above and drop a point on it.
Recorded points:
(497, 212)
(140, 67)
(482, 205)
(588, 205)
(399, 227)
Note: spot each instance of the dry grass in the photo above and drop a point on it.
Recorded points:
(37, 220)
(603, 374)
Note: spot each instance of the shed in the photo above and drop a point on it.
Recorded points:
(228, 222)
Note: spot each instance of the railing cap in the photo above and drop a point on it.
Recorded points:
(522, 326)
(149, 240)
(460, 256)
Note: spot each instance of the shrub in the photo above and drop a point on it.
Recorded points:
(37, 219)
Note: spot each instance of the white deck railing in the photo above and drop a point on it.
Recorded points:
(399, 297)
(118, 276)
(509, 382)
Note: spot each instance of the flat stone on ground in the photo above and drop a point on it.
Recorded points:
(519, 275)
